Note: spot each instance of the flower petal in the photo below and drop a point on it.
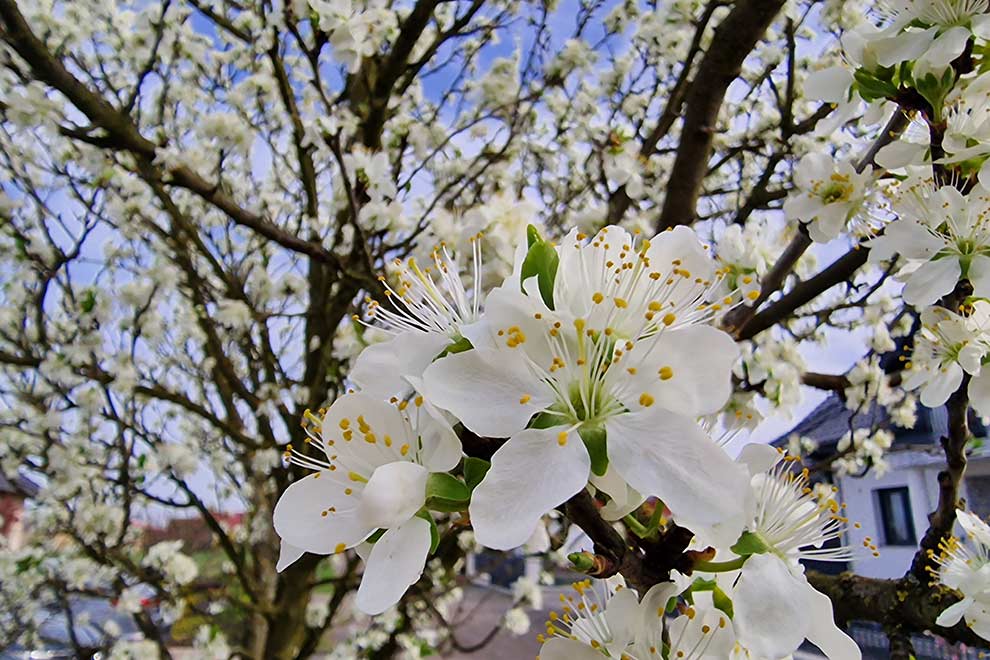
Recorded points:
(769, 607)
(530, 475)
(941, 385)
(662, 453)
(979, 393)
(287, 555)
(380, 368)
(979, 275)
(932, 281)
(396, 562)
(832, 641)
(393, 494)
(695, 370)
(951, 615)
(300, 521)
(493, 392)
(830, 85)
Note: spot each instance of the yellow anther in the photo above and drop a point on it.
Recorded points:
(666, 373)
(340, 547)
(562, 438)
(645, 400)
(404, 449)
(621, 303)
(669, 318)
(597, 297)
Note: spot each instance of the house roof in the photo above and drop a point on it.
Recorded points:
(831, 420)
(17, 485)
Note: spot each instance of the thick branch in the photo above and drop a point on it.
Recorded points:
(734, 39)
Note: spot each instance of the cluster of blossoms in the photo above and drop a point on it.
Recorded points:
(595, 364)
(964, 567)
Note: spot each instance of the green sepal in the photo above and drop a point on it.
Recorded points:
(541, 262)
(434, 532)
(722, 601)
(873, 85)
(375, 536)
(934, 90)
(475, 470)
(750, 544)
(459, 346)
(594, 441)
(446, 493)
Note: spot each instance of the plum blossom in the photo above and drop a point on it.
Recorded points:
(944, 236)
(775, 608)
(613, 377)
(966, 568)
(376, 462)
(828, 195)
(425, 313)
(617, 624)
(947, 346)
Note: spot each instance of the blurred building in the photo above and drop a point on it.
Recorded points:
(892, 508)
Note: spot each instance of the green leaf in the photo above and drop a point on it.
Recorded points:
(475, 470)
(541, 262)
(750, 544)
(594, 441)
(434, 532)
(88, 301)
(446, 493)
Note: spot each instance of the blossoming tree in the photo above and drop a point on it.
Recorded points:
(398, 278)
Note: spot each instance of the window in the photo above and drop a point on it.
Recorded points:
(895, 515)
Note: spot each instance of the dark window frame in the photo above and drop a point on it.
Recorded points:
(887, 499)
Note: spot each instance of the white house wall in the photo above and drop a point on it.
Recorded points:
(862, 506)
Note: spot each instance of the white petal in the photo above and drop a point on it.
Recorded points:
(299, 518)
(558, 648)
(979, 393)
(932, 281)
(758, 458)
(975, 528)
(900, 153)
(697, 364)
(984, 174)
(493, 392)
(904, 46)
(380, 368)
(622, 617)
(396, 562)
(769, 607)
(287, 555)
(833, 642)
(830, 85)
(378, 418)
(659, 452)
(530, 475)
(623, 498)
(393, 495)
(948, 46)
(951, 615)
(979, 275)
(940, 387)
